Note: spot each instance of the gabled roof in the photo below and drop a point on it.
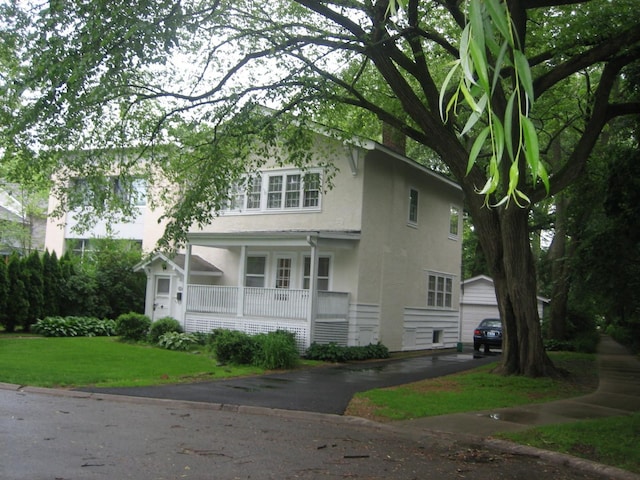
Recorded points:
(485, 279)
(198, 265)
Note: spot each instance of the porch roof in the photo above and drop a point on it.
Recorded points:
(289, 238)
(199, 266)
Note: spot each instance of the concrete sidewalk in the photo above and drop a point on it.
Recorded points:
(618, 394)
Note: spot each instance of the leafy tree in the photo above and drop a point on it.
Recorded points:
(103, 74)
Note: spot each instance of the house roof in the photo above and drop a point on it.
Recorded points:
(197, 265)
(489, 280)
(290, 238)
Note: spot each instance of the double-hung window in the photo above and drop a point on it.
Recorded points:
(256, 271)
(324, 265)
(439, 290)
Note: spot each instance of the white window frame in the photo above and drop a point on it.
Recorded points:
(440, 290)
(306, 277)
(277, 191)
(253, 275)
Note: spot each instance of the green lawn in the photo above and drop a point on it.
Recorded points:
(612, 441)
(478, 389)
(103, 361)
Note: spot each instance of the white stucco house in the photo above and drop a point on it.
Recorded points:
(478, 301)
(374, 258)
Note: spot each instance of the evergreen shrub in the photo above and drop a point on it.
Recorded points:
(133, 326)
(233, 346)
(162, 326)
(332, 352)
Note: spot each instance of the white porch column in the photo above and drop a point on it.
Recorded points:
(185, 287)
(241, 275)
(313, 286)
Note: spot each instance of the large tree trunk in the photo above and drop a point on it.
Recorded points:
(504, 235)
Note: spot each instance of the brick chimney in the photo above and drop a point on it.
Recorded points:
(394, 139)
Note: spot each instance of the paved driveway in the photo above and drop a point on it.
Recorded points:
(323, 389)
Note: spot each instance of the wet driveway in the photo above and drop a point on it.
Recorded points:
(327, 389)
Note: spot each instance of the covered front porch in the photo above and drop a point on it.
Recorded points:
(288, 288)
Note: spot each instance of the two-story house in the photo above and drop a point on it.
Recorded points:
(374, 258)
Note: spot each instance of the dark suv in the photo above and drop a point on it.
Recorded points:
(489, 334)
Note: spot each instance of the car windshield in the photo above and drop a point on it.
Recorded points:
(491, 323)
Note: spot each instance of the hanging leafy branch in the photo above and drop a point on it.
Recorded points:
(488, 45)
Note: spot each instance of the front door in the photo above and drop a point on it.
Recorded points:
(162, 297)
(283, 272)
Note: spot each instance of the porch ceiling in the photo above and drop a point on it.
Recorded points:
(297, 238)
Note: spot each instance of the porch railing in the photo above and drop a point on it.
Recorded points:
(264, 302)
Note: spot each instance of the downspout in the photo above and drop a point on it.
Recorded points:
(313, 286)
(185, 292)
(241, 275)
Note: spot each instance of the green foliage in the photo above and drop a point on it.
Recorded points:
(133, 326)
(275, 350)
(162, 326)
(173, 340)
(332, 352)
(4, 291)
(34, 287)
(74, 327)
(233, 346)
(17, 304)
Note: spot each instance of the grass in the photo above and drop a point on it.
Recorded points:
(478, 389)
(103, 362)
(611, 441)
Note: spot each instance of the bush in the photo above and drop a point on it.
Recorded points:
(276, 350)
(332, 352)
(233, 346)
(176, 341)
(74, 327)
(133, 326)
(162, 326)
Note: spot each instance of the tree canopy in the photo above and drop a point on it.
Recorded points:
(117, 75)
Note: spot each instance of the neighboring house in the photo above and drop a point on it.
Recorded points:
(374, 258)
(63, 234)
(478, 301)
(21, 229)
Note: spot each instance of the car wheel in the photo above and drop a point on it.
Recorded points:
(486, 349)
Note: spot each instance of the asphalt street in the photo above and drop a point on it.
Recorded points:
(323, 389)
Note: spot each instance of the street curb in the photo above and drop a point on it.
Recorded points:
(612, 473)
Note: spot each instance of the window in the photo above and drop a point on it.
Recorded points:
(439, 290)
(254, 191)
(413, 206)
(283, 275)
(454, 219)
(274, 194)
(437, 337)
(312, 190)
(163, 286)
(323, 273)
(284, 191)
(130, 191)
(255, 271)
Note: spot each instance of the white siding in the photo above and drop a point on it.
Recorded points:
(420, 324)
(364, 324)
